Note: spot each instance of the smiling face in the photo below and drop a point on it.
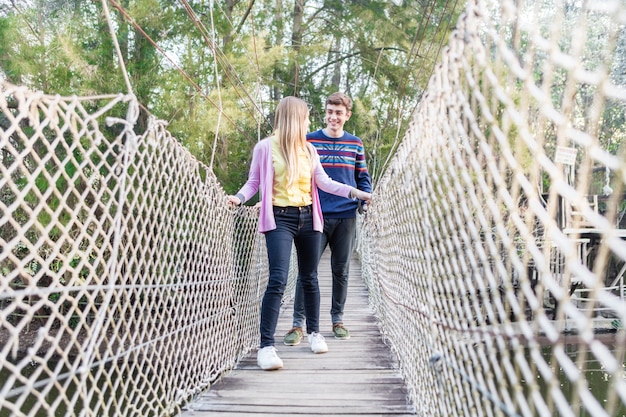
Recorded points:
(336, 117)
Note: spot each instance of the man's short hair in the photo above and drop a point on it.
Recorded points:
(340, 99)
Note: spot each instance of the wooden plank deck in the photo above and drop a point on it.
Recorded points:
(356, 377)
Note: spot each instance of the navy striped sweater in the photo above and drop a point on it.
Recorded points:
(343, 160)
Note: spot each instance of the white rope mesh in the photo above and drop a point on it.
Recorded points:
(127, 284)
(497, 297)
(493, 250)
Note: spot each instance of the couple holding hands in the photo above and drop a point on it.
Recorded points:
(311, 185)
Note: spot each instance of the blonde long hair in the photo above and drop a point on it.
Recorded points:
(290, 126)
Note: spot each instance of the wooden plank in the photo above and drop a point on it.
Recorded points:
(330, 392)
(298, 413)
(356, 377)
(322, 409)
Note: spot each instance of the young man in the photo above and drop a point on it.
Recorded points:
(343, 158)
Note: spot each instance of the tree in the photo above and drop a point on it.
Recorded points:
(215, 70)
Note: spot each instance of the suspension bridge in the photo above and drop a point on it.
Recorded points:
(493, 255)
(358, 376)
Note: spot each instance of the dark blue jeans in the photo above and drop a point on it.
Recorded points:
(293, 226)
(340, 235)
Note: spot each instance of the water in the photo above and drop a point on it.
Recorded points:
(598, 379)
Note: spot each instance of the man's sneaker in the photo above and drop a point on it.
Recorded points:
(267, 359)
(340, 332)
(293, 337)
(317, 342)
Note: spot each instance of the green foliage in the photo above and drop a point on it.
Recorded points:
(380, 53)
(9, 64)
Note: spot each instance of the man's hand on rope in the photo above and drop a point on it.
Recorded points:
(364, 199)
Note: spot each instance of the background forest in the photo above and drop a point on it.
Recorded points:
(214, 70)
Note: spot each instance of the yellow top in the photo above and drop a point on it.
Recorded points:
(299, 194)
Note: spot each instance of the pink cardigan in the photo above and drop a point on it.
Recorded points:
(261, 178)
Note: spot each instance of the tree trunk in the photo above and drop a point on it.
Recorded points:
(296, 42)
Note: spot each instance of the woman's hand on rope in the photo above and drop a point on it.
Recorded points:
(233, 201)
(361, 195)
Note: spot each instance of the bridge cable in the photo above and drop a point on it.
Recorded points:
(218, 54)
(217, 83)
(178, 68)
(410, 62)
(117, 46)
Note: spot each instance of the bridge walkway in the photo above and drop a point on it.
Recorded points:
(356, 377)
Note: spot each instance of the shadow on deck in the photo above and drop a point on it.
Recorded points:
(357, 377)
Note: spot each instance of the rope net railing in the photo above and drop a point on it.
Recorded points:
(124, 274)
(494, 250)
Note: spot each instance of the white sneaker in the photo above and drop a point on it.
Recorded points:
(317, 342)
(267, 359)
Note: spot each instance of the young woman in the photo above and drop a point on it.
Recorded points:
(343, 157)
(287, 171)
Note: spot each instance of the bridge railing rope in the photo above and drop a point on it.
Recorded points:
(494, 251)
(127, 284)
